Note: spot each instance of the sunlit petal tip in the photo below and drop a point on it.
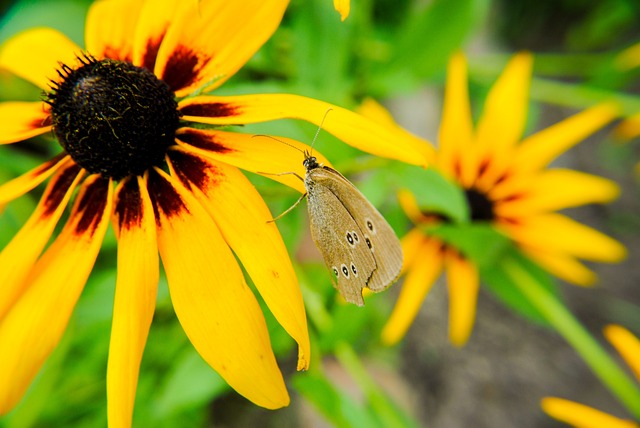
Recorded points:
(627, 129)
(22, 120)
(628, 58)
(343, 7)
(579, 415)
(627, 345)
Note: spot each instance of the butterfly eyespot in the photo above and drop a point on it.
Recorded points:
(354, 270)
(355, 236)
(335, 271)
(370, 226)
(345, 271)
(368, 241)
(350, 239)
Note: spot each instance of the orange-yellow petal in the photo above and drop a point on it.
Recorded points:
(352, 128)
(421, 276)
(343, 7)
(562, 265)
(627, 345)
(135, 297)
(628, 58)
(557, 189)
(26, 182)
(628, 128)
(110, 28)
(245, 223)
(152, 24)
(255, 153)
(503, 119)
(537, 150)
(209, 41)
(18, 257)
(410, 206)
(216, 308)
(582, 416)
(35, 323)
(463, 284)
(456, 152)
(36, 54)
(411, 244)
(558, 233)
(22, 120)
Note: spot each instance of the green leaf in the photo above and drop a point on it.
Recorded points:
(428, 37)
(191, 383)
(335, 405)
(501, 284)
(481, 243)
(433, 192)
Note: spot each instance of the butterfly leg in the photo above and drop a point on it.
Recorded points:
(278, 174)
(289, 209)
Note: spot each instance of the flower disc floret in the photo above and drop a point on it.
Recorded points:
(113, 118)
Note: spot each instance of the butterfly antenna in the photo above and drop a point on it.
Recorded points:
(315, 137)
(278, 140)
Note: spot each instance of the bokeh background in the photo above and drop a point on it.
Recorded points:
(396, 52)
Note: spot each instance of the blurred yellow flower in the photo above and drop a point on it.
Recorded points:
(582, 416)
(507, 185)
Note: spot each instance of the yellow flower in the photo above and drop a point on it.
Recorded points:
(122, 109)
(507, 185)
(579, 415)
(343, 7)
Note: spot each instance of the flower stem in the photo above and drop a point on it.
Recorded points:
(600, 362)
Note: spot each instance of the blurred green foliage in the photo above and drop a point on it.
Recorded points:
(384, 49)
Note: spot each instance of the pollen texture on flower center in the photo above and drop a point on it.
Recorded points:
(112, 117)
(480, 206)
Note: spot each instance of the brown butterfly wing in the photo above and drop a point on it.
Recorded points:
(382, 240)
(341, 242)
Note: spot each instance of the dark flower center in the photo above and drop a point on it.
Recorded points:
(113, 118)
(480, 206)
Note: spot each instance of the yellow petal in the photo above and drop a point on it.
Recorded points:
(34, 325)
(555, 190)
(505, 110)
(110, 27)
(558, 233)
(245, 223)
(455, 154)
(135, 297)
(22, 120)
(410, 206)
(276, 159)
(216, 308)
(354, 129)
(582, 416)
(562, 265)
(28, 181)
(420, 278)
(209, 41)
(151, 27)
(628, 128)
(18, 257)
(463, 284)
(503, 119)
(628, 58)
(36, 54)
(537, 150)
(411, 244)
(343, 7)
(627, 345)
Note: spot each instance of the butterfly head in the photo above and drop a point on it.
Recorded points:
(310, 162)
